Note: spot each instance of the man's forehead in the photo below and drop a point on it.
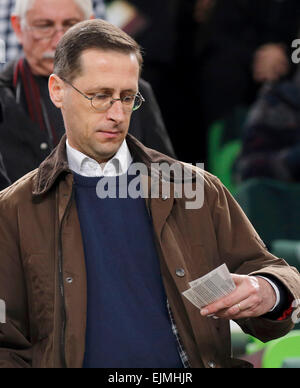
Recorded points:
(102, 56)
(110, 64)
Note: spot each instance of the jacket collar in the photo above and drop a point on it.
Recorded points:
(51, 169)
(56, 165)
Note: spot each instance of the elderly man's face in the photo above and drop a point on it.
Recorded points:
(45, 24)
(97, 134)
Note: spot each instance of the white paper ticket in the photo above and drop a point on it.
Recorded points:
(211, 287)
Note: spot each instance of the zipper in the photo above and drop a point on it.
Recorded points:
(61, 285)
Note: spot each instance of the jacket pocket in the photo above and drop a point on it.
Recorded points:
(40, 286)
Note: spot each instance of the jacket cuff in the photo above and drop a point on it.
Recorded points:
(276, 289)
(283, 309)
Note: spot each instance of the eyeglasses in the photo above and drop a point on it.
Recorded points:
(48, 31)
(103, 102)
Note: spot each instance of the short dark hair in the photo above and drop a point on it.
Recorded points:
(91, 34)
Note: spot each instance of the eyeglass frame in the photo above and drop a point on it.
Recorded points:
(55, 30)
(113, 100)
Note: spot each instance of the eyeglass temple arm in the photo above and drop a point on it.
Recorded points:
(77, 90)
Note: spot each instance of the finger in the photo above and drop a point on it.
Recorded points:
(241, 293)
(243, 309)
(225, 303)
(238, 308)
(245, 287)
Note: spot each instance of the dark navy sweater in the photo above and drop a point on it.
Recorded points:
(128, 325)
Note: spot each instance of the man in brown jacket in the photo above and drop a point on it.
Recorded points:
(91, 282)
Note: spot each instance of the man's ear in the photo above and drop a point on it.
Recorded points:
(56, 90)
(16, 25)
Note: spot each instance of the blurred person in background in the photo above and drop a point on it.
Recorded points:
(30, 125)
(271, 134)
(213, 56)
(7, 34)
(250, 43)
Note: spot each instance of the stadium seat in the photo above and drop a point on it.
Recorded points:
(282, 352)
(287, 249)
(273, 207)
(215, 135)
(227, 156)
(224, 146)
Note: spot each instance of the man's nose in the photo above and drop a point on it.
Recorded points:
(116, 112)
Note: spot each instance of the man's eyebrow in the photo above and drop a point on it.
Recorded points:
(71, 20)
(42, 21)
(100, 89)
(133, 91)
(97, 90)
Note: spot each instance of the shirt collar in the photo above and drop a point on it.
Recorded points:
(84, 165)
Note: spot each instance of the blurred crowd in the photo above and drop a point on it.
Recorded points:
(204, 59)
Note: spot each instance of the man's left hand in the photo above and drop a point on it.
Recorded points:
(252, 298)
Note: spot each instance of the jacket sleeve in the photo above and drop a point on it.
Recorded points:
(241, 248)
(15, 346)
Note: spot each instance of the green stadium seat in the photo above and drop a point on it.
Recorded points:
(227, 156)
(273, 207)
(224, 146)
(215, 135)
(280, 351)
(287, 249)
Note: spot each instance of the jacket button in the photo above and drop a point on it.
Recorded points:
(44, 146)
(165, 198)
(180, 272)
(211, 364)
(69, 280)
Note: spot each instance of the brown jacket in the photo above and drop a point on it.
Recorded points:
(43, 275)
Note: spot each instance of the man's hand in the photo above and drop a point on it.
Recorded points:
(252, 297)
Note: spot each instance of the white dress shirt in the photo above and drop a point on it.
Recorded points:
(84, 165)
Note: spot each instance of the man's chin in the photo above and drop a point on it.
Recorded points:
(104, 154)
